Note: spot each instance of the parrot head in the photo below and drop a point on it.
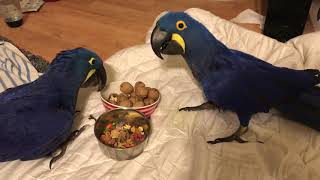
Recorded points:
(84, 65)
(175, 32)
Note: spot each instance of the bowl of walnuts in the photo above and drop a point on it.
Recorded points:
(139, 97)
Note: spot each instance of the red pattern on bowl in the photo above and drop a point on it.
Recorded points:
(146, 110)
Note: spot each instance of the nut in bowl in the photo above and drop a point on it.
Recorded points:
(122, 133)
(127, 96)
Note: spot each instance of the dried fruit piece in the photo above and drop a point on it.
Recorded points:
(145, 127)
(103, 138)
(113, 98)
(133, 129)
(109, 126)
(132, 116)
(115, 133)
(127, 126)
(120, 145)
(111, 141)
(126, 88)
(140, 129)
(122, 136)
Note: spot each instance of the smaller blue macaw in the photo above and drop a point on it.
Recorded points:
(36, 118)
(236, 81)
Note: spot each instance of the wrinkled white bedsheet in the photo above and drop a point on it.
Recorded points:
(177, 149)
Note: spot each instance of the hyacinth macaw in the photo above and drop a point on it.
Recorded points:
(36, 118)
(236, 81)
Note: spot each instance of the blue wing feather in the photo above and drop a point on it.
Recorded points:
(252, 85)
(32, 123)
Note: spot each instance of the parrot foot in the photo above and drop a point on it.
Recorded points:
(206, 105)
(92, 117)
(234, 137)
(63, 146)
(228, 139)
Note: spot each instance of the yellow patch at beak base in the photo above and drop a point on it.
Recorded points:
(91, 72)
(179, 40)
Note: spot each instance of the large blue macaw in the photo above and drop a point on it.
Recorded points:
(36, 118)
(236, 81)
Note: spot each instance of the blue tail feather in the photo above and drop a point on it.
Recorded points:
(305, 109)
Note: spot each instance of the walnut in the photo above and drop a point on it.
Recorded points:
(138, 84)
(153, 94)
(138, 104)
(126, 88)
(142, 91)
(148, 101)
(122, 97)
(126, 103)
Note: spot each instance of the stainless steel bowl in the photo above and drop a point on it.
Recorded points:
(119, 153)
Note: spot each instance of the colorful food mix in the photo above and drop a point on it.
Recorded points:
(134, 96)
(124, 129)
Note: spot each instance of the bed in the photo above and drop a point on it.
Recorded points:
(177, 148)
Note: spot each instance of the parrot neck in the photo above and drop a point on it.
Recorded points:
(202, 54)
(64, 81)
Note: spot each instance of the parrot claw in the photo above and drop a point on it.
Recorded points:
(188, 109)
(63, 146)
(233, 137)
(92, 117)
(206, 105)
(56, 158)
(228, 139)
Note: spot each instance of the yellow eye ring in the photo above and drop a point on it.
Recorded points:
(181, 25)
(92, 61)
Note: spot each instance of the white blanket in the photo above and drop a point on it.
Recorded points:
(177, 149)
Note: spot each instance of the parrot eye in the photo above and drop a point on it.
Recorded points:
(181, 25)
(92, 61)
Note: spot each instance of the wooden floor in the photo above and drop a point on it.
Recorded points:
(105, 26)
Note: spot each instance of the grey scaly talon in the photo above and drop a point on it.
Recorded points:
(63, 147)
(234, 137)
(206, 105)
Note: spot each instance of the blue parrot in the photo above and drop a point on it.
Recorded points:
(36, 118)
(236, 81)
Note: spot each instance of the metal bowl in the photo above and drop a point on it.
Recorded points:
(119, 153)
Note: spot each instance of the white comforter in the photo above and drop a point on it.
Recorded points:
(177, 149)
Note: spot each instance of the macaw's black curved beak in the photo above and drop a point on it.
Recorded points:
(163, 42)
(96, 77)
